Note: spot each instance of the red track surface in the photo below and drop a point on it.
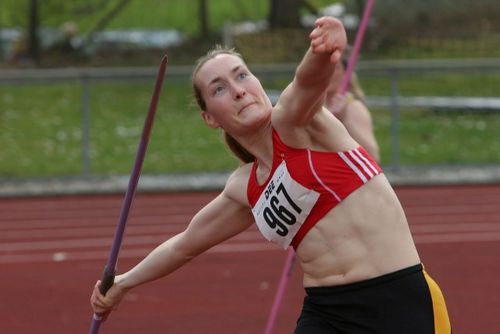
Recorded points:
(53, 249)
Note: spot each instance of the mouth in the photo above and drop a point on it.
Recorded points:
(246, 106)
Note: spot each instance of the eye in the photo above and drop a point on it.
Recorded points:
(218, 90)
(242, 75)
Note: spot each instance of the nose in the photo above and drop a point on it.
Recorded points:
(238, 92)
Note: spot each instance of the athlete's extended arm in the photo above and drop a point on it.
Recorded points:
(218, 221)
(305, 94)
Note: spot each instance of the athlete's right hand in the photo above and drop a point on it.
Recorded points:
(104, 304)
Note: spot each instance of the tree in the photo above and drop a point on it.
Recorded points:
(105, 20)
(203, 15)
(33, 38)
(284, 13)
(54, 12)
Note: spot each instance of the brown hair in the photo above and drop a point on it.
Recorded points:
(238, 150)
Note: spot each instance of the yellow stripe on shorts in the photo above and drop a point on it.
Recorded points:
(441, 320)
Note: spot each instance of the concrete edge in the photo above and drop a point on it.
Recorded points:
(215, 181)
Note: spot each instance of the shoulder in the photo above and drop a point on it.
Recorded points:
(320, 132)
(297, 106)
(236, 184)
(357, 111)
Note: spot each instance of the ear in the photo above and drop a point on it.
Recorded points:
(209, 120)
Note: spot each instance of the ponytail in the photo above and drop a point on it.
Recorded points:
(241, 153)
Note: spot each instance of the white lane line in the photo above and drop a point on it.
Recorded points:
(60, 255)
(168, 229)
(455, 227)
(456, 237)
(85, 248)
(58, 222)
(100, 242)
(86, 231)
(128, 253)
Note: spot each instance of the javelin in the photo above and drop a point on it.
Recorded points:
(351, 63)
(108, 275)
(287, 268)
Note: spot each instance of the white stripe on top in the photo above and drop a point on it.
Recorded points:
(361, 163)
(311, 166)
(368, 162)
(353, 166)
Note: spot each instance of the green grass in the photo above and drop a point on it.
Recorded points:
(428, 137)
(40, 125)
(436, 84)
(148, 14)
(40, 128)
(438, 137)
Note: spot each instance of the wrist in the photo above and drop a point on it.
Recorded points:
(123, 283)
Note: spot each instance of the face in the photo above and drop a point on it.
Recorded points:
(234, 97)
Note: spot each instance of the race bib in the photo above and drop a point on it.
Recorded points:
(283, 207)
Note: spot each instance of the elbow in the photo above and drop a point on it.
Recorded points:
(317, 74)
(318, 80)
(185, 250)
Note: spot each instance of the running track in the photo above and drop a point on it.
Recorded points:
(53, 249)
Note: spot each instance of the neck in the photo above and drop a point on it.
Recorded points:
(260, 144)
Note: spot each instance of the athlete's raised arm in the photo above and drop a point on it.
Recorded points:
(305, 94)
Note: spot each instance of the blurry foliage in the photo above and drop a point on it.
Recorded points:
(44, 138)
(467, 26)
(399, 29)
(53, 13)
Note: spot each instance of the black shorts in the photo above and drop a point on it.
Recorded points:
(407, 301)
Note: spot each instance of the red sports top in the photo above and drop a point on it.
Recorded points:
(334, 175)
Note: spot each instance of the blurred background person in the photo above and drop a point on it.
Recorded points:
(350, 108)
